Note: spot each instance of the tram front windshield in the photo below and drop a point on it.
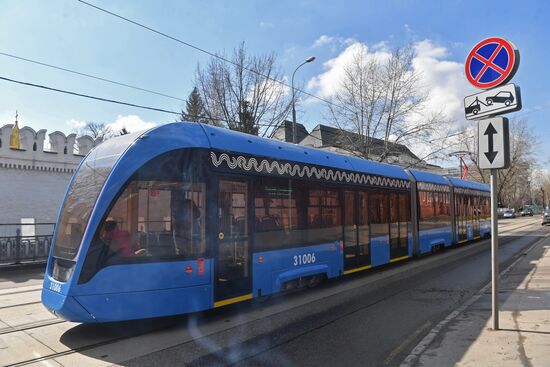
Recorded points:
(83, 193)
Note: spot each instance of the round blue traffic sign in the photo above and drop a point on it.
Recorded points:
(491, 62)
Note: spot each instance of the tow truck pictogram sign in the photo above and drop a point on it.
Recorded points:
(492, 62)
(496, 101)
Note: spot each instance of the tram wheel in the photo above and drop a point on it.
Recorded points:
(314, 281)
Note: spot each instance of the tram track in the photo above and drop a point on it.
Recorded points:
(30, 325)
(34, 289)
(61, 354)
(507, 230)
(83, 348)
(160, 327)
(20, 304)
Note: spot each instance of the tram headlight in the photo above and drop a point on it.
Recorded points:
(62, 270)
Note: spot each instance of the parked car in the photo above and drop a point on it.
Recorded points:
(509, 214)
(545, 217)
(527, 211)
(501, 97)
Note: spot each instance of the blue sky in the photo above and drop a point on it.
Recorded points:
(72, 35)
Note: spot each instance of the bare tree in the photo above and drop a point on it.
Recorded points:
(244, 94)
(97, 130)
(540, 187)
(381, 101)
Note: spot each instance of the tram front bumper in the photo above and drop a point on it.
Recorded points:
(65, 307)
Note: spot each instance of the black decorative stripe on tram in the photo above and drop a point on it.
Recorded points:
(461, 190)
(273, 167)
(428, 186)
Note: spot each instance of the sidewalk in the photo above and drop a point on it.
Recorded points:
(466, 338)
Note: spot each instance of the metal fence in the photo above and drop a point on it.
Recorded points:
(25, 242)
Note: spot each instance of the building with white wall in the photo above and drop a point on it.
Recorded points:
(34, 175)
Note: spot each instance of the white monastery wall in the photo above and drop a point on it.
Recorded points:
(33, 180)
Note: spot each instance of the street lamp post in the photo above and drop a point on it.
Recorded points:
(294, 136)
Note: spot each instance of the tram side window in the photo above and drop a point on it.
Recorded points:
(404, 217)
(442, 209)
(278, 222)
(485, 208)
(427, 219)
(294, 213)
(434, 210)
(324, 216)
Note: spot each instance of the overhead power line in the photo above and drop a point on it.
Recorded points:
(109, 100)
(88, 96)
(90, 76)
(212, 54)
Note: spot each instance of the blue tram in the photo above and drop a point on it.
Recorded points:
(187, 217)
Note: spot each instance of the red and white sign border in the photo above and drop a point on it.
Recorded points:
(506, 74)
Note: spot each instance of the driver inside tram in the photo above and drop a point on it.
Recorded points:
(119, 240)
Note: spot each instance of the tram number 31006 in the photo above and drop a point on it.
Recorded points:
(304, 259)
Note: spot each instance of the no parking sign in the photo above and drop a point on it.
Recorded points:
(491, 62)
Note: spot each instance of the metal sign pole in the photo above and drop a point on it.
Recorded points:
(493, 132)
(494, 247)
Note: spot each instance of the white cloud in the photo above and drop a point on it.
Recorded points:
(328, 82)
(132, 123)
(75, 124)
(323, 40)
(443, 79)
(380, 46)
(332, 43)
(266, 25)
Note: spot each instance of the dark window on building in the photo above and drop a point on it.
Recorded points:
(65, 150)
(34, 146)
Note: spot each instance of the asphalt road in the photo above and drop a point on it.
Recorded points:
(363, 326)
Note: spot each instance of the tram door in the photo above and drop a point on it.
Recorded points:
(461, 217)
(232, 267)
(398, 225)
(477, 215)
(356, 230)
(350, 231)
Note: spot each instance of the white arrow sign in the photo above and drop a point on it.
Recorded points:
(492, 102)
(493, 143)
